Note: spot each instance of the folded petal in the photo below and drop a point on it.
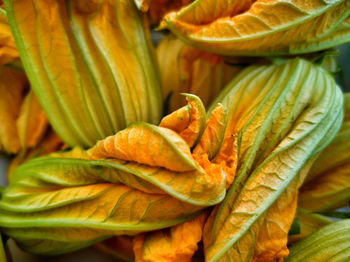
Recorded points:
(193, 130)
(147, 144)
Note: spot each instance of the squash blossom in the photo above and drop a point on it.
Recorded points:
(247, 27)
(252, 147)
(90, 63)
(156, 182)
(161, 187)
(284, 117)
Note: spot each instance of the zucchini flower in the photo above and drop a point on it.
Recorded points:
(185, 69)
(283, 115)
(278, 27)
(90, 63)
(273, 134)
(141, 179)
(259, 140)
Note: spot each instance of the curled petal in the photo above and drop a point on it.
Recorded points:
(139, 142)
(193, 131)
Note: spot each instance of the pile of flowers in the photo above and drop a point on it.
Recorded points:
(228, 140)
